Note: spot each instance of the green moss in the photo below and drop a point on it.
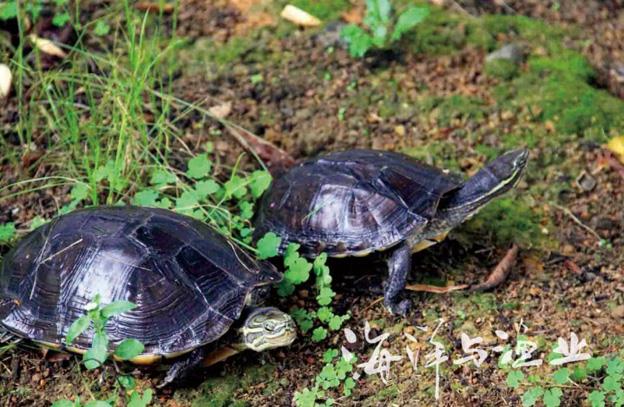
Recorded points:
(536, 32)
(221, 391)
(562, 87)
(459, 107)
(501, 69)
(388, 393)
(505, 221)
(325, 10)
(439, 153)
(444, 33)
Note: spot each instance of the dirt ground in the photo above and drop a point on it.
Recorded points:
(442, 107)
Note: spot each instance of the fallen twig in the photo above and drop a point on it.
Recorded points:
(500, 272)
(578, 221)
(435, 288)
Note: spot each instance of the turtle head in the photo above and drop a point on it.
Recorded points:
(494, 179)
(267, 328)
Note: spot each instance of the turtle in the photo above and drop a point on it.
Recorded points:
(197, 294)
(360, 201)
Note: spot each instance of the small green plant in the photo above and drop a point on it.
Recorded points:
(383, 28)
(606, 376)
(34, 8)
(97, 316)
(331, 377)
(298, 272)
(7, 232)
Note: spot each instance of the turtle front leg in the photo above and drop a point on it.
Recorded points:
(399, 264)
(185, 367)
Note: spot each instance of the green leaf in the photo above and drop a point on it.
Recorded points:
(260, 181)
(328, 378)
(612, 382)
(268, 245)
(349, 385)
(117, 307)
(235, 187)
(531, 396)
(256, 79)
(34, 223)
(129, 348)
(329, 355)
(579, 373)
(596, 398)
(324, 314)
(63, 403)
(377, 12)
(514, 378)
(299, 271)
(246, 209)
(8, 10)
(595, 364)
(343, 367)
(147, 197)
(615, 367)
(307, 397)
(325, 296)
(60, 19)
(76, 328)
(7, 232)
(127, 382)
(199, 166)
(336, 322)
(408, 20)
(561, 376)
(187, 202)
(79, 192)
(319, 334)
(303, 318)
(98, 403)
(136, 400)
(359, 41)
(285, 288)
(101, 28)
(206, 188)
(96, 355)
(552, 397)
(162, 177)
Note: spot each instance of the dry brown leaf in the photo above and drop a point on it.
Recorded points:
(47, 46)
(297, 16)
(221, 111)
(435, 288)
(5, 81)
(500, 273)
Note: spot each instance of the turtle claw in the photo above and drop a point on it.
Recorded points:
(398, 308)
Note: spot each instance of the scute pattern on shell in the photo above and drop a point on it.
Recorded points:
(349, 202)
(189, 282)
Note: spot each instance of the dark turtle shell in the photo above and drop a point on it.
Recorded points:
(352, 202)
(189, 282)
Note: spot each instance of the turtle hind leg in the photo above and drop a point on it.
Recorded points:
(184, 369)
(399, 265)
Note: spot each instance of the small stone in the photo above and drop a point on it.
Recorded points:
(400, 130)
(586, 182)
(510, 52)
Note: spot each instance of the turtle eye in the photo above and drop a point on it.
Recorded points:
(269, 326)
